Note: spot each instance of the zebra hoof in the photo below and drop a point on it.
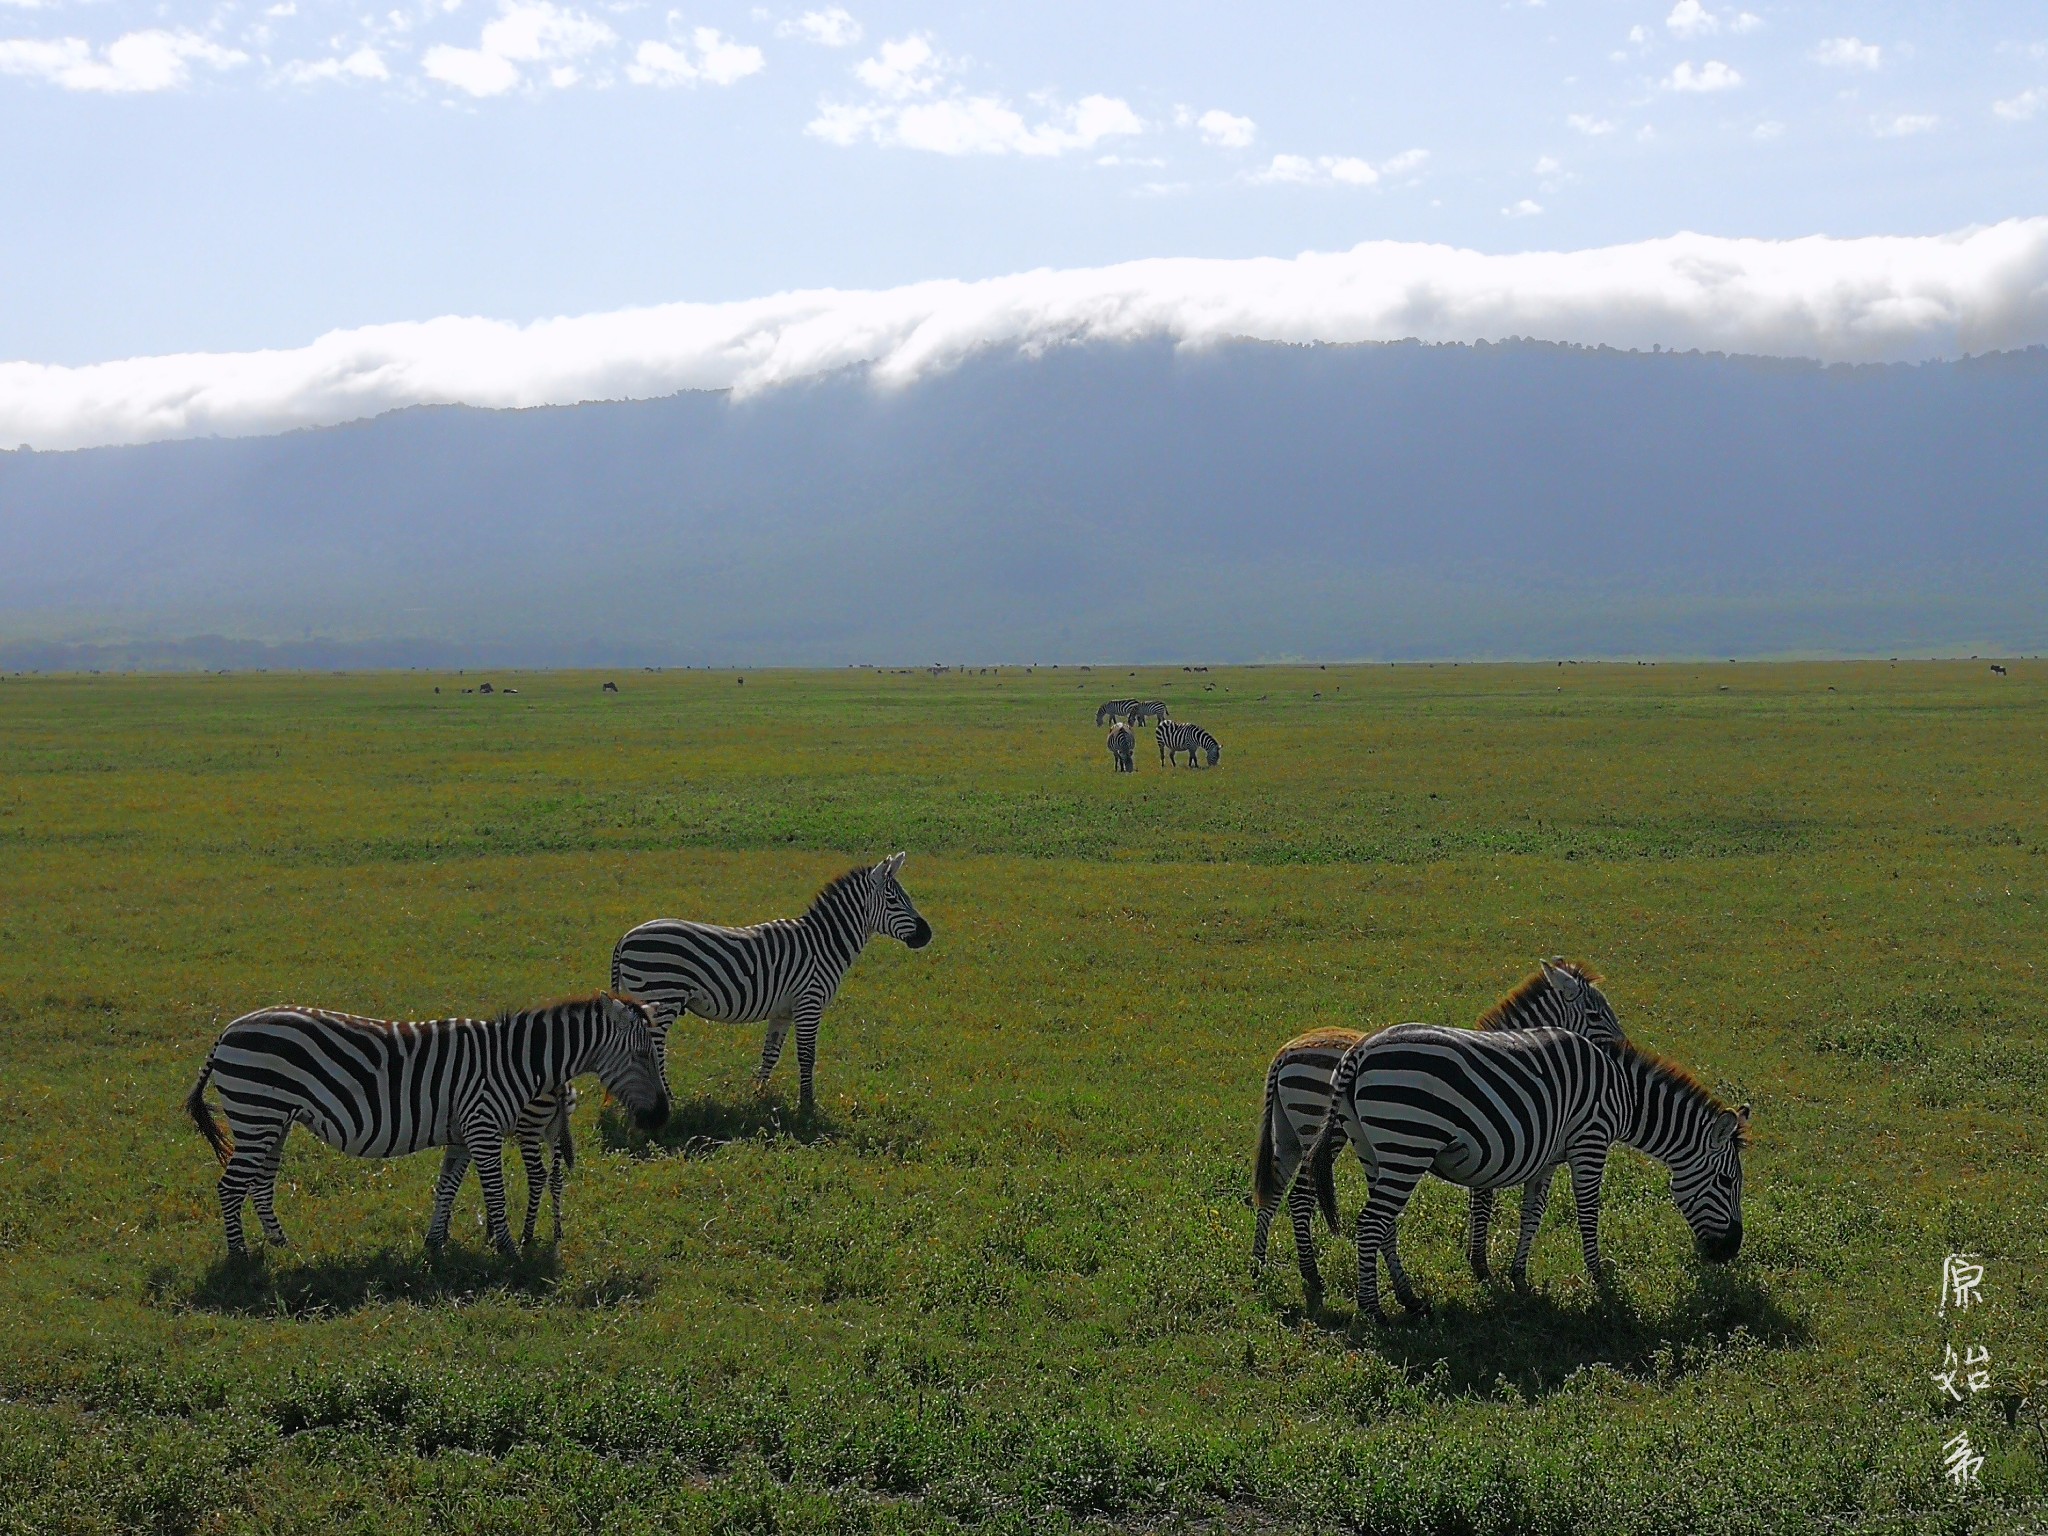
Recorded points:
(279, 1241)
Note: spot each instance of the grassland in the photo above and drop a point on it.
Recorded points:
(999, 1281)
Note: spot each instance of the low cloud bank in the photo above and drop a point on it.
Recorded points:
(1868, 300)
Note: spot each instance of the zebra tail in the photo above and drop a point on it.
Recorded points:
(202, 1116)
(1262, 1165)
(1323, 1158)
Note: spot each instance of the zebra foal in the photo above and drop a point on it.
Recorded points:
(783, 972)
(1177, 736)
(377, 1088)
(1486, 1109)
(1560, 995)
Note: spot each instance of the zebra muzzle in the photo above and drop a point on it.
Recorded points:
(1722, 1247)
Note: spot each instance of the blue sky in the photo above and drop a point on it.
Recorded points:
(248, 174)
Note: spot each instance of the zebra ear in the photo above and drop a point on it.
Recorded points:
(891, 865)
(1726, 1126)
(1561, 980)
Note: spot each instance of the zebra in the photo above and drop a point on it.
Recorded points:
(1561, 994)
(1123, 748)
(1116, 709)
(1490, 1108)
(1177, 736)
(784, 971)
(376, 1088)
(1146, 709)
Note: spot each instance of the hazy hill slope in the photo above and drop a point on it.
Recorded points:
(1244, 502)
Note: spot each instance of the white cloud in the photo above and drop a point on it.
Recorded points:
(1710, 76)
(1527, 208)
(1768, 129)
(1904, 125)
(1590, 126)
(1548, 165)
(363, 64)
(153, 60)
(1879, 298)
(719, 60)
(1689, 18)
(1225, 130)
(915, 106)
(1639, 35)
(523, 32)
(2018, 109)
(833, 27)
(1848, 53)
(1337, 170)
(1745, 21)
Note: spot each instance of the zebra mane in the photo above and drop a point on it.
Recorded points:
(1674, 1076)
(839, 884)
(1502, 1015)
(580, 1000)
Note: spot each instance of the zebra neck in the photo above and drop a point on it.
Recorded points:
(1660, 1118)
(837, 925)
(546, 1048)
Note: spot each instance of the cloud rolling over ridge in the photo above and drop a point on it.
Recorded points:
(1874, 299)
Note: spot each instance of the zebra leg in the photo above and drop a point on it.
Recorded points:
(244, 1172)
(1535, 1199)
(486, 1144)
(1376, 1222)
(1478, 1227)
(265, 1191)
(454, 1167)
(808, 1013)
(536, 1176)
(1301, 1209)
(771, 1049)
(1589, 1167)
(1392, 1253)
(557, 1176)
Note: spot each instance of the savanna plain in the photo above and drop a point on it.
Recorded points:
(999, 1280)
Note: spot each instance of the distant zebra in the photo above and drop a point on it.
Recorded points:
(1177, 736)
(1116, 709)
(783, 972)
(1123, 748)
(1489, 1109)
(377, 1088)
(1146, 709)
(1560, 995)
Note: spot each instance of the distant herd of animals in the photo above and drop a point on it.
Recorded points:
(1127, 716)
(1546, 1079)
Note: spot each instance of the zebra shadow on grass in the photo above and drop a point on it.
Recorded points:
(701, 1126)
(1531, 1343)
(279, 1284)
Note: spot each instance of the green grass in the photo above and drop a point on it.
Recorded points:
(999, 1282)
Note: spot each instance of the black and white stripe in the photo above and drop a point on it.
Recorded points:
(376, 1088)
(783, 972)
(1560, 994)
(1116, 709)
(1488, 1109)
(1177, 736)
(1123, 748)
(1146, 709)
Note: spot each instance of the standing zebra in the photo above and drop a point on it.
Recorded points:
(1560, 995)
(1146, 709)
(782, 971)
(1488, 1109)
(1123, 747)
(1116, 709)
(381, 1089)
(1176, 736)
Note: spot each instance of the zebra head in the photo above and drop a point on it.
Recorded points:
(889, 908)
(1706, 1181)
(1212, 751)
(1586, 1010)
(627, 1062)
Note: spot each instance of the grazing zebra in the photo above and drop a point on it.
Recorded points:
(381, 1089)
(1560, 995)
(1123, 748)
(1146, 709)
(1116, 709)
(1177, 736)
(783, 972)
(1486, 1109)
